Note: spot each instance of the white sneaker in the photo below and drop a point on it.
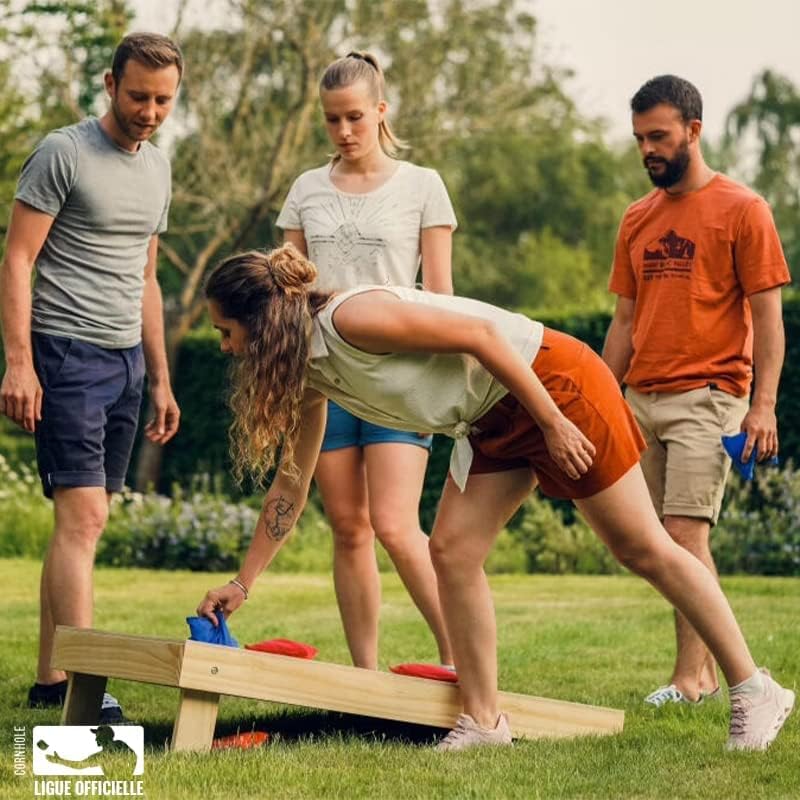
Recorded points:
(467, 733)
(758, 715)
(666, 694)
(672, 694)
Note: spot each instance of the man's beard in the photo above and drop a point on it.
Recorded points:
(674, 168)
(133, 132)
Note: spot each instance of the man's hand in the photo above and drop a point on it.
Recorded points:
(166, 414)
(761, 426)
(21, 397)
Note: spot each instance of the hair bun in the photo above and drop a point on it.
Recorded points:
(291, 270)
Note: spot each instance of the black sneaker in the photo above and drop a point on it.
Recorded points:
(43, 695)
(111, 712)
(47, 695)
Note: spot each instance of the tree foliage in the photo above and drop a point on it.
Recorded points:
(769, 119)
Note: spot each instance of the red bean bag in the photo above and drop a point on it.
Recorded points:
(242, 741)
(284, 647)
(432, 671)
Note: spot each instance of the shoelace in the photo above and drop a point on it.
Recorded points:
(461, 727)
(739, 709)
(664, 695)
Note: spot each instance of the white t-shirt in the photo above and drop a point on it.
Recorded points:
(369, 238)
(430, 392)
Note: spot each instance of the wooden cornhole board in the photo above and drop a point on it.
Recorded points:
(203, 672)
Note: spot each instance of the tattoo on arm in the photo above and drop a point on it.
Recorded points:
(278, 515)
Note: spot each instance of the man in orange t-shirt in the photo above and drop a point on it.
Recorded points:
(697, 270)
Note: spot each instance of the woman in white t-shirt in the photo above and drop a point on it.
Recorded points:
(368, 218)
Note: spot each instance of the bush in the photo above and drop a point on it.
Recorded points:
(198, 531)
(759, 527)
(26, 516)
(203, 530)
(553, 546)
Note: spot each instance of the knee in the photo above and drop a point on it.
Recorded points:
(351, 533)
(82, 527)
(691, 534)
(392, 531)
(448, 560)
(645, 561)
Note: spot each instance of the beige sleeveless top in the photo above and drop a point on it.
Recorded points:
(425, 392)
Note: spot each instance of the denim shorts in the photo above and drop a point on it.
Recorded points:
(346, 430)
(90, 411)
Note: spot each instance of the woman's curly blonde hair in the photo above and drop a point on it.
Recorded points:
(269, 294)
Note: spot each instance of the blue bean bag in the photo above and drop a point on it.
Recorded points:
(734, 445)
(203, 630)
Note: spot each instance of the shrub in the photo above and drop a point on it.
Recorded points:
(203, 530)
(26, 516)
(197, 531)
(553, 546)
(759, 527)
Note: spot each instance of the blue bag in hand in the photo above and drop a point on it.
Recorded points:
(734, 445)
(204, 630)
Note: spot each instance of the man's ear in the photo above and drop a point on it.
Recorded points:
(109, 83)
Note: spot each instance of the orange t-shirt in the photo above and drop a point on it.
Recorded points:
(690, 262)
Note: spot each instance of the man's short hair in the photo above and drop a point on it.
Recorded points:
(151, 49)
(673, 91)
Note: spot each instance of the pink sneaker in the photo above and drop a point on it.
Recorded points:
(758, 715)
(467, 733)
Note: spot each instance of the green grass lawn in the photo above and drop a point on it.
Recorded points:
(600, 640)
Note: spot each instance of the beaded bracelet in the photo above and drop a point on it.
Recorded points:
(238, 583)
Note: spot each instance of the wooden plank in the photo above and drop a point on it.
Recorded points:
(194, 725)
(137, 658)
(84, 699)
(335, 687)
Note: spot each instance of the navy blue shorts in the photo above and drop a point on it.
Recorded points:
(90, 411)
(346, 430)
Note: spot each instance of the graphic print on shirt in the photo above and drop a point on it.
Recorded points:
(669, 256)
(349, 247)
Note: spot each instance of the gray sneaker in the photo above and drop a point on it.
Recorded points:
(756, 718)
(467, 733)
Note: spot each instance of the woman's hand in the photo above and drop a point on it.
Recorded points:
(225, 598)
(568, 447)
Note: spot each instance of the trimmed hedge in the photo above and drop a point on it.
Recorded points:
(201, 446)
(200, 385)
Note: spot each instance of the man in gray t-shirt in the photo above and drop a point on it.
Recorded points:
(90, 203)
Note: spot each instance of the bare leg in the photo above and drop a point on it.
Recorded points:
(66, 585)
(695, 670)
(395, 472)
(624, 518)
(341, 480)
(465, 529)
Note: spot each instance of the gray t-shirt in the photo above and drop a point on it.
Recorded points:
(107, 203)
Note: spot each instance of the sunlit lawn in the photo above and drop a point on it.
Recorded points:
(600, 640)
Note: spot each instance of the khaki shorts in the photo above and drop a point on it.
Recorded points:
(685, 465)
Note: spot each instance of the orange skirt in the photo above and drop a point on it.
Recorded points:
(586, 392)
